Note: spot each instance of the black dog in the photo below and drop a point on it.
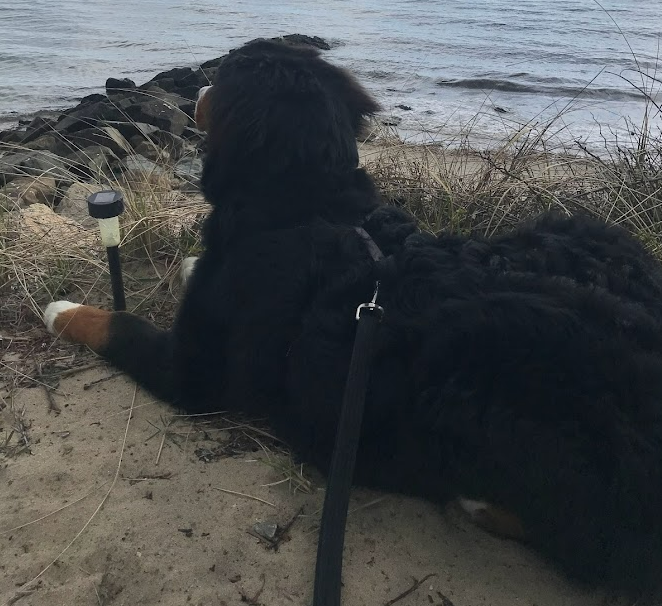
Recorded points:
(521, 373)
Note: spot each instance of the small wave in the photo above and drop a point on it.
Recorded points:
(509, 86)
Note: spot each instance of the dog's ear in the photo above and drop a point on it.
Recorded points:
(359, 102)
(278, 110)
(203, 108)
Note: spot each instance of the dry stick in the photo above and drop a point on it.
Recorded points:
(75, 371)
(413, 588)
(253, 601)
(285, 529)
(26, 585)
(101, 380)
(19, 596)
(52, 513)
(246, 496)
(52, 404)
(28, 377)
(158, 455)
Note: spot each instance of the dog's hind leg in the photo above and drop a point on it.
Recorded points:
(494, 519)
(128, 342)
(187, 269)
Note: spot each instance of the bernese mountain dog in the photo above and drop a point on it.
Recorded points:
(520, 374)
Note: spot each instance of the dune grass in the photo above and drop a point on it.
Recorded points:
(448, 186)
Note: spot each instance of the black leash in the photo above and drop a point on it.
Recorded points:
(328, 570)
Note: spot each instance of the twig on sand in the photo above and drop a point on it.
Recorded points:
(52, 404)
(20, 595)
(101, 380)
(74, 371)
(246, 496)
(281, 532)
(253, 601)
(413, 588)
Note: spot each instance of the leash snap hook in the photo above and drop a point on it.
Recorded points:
(371, 307)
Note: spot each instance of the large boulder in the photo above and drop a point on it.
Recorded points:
(26, 191)
(32, 163)
(122, 84)
(162, 114)
(37, 127)
(74, 204)
(107, 136)
(93, 162)
(132, 129)
(303, 40)
(89, 114)
(52, 142)
(178, 78)
(39, 225)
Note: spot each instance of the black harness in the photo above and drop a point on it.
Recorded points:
(328, 570)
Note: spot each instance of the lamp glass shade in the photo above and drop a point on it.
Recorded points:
(110, 231)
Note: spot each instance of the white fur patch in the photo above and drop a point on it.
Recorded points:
(472, 507)
(187, 268)
(202, 92)
(53, 310)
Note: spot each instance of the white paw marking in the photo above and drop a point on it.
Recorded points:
(473, 507)
(186, 271)
(53, 310)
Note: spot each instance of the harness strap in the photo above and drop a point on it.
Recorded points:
(373, 249)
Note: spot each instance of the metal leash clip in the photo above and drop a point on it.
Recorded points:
(372, 306)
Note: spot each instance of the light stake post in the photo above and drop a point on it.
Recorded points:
(106, 207)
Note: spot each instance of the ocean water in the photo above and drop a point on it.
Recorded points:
(483, 66)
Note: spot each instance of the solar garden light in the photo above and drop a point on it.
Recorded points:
(106, 206)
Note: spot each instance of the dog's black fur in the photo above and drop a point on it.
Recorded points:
(523, 370)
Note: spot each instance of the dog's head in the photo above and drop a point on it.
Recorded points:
(278, 111)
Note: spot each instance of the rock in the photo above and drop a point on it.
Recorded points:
(52, 142)
(138, 171)
(166, 116)
(179, 77)
(172, 144)
(37, 127)
(88, 100)
(301, 39)
(189, 170)
(390, 120)
(106, 136)
(95, 161)
(88, 115)
(38, 224)
(13, 135)
(131, 129)
(33, 163)
(166, 84)
(212, 64)
(266, 530)
(406, 108)
(26, 191)
(193, 135)
(74, 204)
(151, 151)
(152, 89)
(113, 84)
(189, 93)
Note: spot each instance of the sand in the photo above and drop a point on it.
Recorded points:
(114, 500)
(103, 509)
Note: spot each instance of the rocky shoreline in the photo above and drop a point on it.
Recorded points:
(108, 137)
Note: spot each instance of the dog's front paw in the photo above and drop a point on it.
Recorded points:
(79, 323)
(187, 269)
(52, 312)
